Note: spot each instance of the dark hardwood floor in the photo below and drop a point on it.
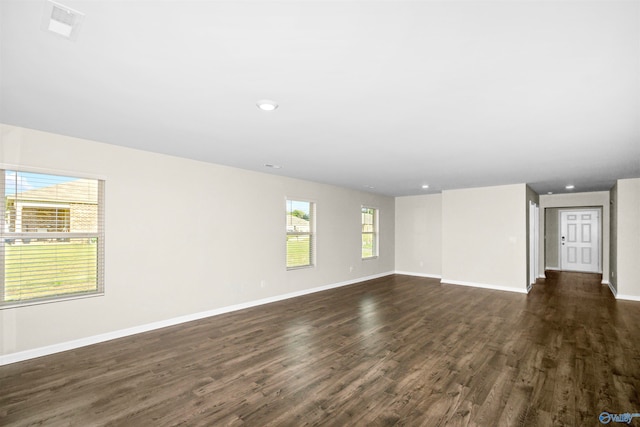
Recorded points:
(398, 350)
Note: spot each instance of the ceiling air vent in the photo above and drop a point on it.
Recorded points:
(61, 20)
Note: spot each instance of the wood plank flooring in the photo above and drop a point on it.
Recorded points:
(398, 350)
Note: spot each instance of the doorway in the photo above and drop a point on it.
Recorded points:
(580, 240)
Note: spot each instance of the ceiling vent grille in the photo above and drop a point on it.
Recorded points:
(61, 20)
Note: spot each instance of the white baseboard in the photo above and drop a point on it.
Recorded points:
(484, 286)
(409, 273)
(612, 289)
(620, 296)
(628, 297)
(95, 339)
(462, 283)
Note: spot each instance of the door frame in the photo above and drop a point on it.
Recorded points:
(599, 236)
(534, 242)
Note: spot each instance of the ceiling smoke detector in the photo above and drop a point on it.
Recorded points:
(61, 20)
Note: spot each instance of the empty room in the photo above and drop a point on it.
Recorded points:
(319, 212)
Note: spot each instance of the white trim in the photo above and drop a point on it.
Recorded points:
(484, 286)
(409, 273)
(82, 342)
(375, 234)
(312, 233)
(542, 276)
(50, 300)
(628, 297)
(611, 288)
(533, 237)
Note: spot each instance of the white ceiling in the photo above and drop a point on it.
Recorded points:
(383, 94)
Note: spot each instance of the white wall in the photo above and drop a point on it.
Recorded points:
(484, 237)
(185, 237)
(574, 200)
(628, 239)
(481, 235)
(419, 235)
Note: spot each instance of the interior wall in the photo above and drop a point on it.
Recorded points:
(484, 239)
(419, 235)
(184, 237)
(578, 200)
(628, 239)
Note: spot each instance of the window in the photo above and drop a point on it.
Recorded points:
(369, 232)
(44, 218)
(51, 237)
(300, 237)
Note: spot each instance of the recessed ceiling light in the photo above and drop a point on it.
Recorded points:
(570, 187)
(267, 105)
(425, 186)
(549, 192)
(269, 165)
(370, 187)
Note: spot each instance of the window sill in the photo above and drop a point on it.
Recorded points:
(8, 305)
(301, 267)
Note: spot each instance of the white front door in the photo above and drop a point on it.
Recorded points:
(580, 240)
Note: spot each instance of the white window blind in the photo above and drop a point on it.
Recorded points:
(369, 232)
(51, 237)
(300, 233)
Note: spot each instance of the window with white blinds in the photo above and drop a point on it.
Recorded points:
(369, 232)
(51, 237)
(300, 234)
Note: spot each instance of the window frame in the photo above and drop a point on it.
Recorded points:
(311, 233)
(7, 236)
(374, 233)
